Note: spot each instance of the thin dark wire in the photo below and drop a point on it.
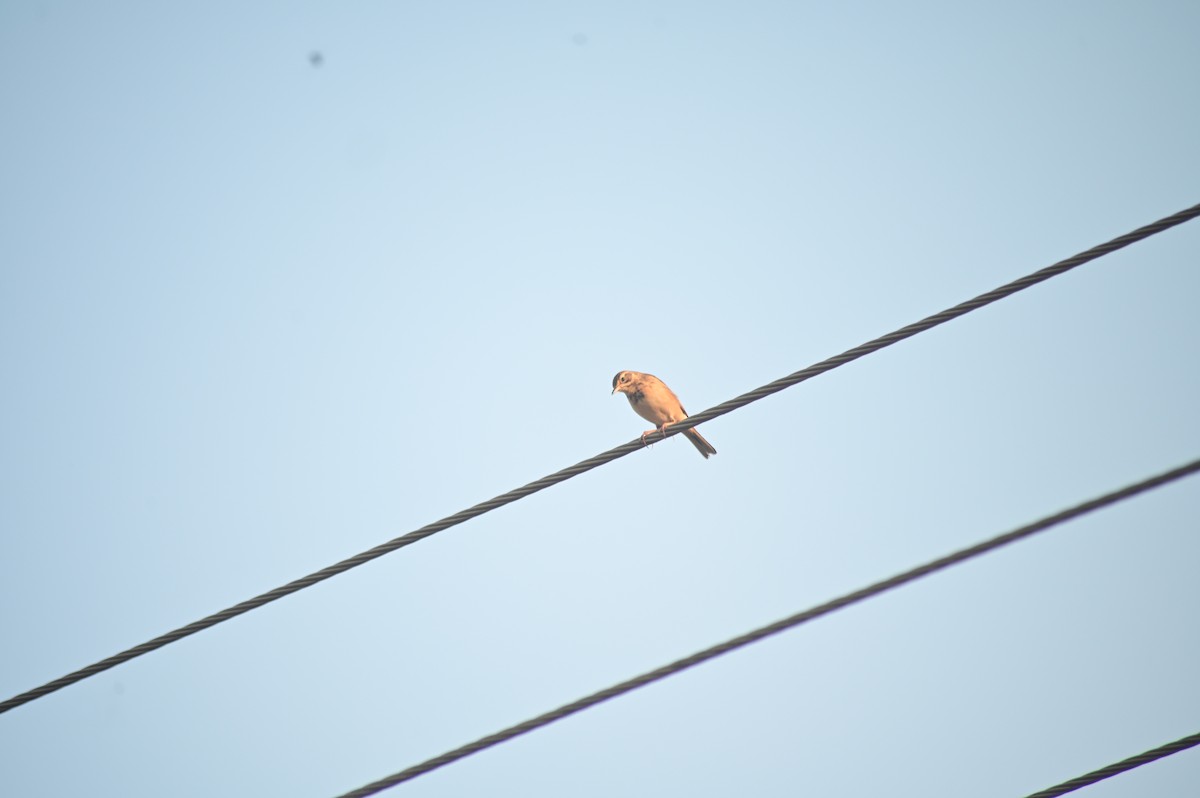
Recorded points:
(600, 459)
(772, 629)
(1132, 762)
(929, 322)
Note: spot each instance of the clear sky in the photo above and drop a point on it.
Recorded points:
(260, 311)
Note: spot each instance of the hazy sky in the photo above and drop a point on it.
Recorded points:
(260, 311)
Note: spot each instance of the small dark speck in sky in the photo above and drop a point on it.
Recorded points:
(580, 39)
(315, 58)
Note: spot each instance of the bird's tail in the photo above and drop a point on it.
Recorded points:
(704, 447)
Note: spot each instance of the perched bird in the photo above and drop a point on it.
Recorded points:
(651, 399)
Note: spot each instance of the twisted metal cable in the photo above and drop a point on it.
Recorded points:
(600, 459)
(930, 322)
(1132, 762)
(773, 629)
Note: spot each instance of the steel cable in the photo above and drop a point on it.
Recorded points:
(1132, 762)
(772, 629)
(605, 457)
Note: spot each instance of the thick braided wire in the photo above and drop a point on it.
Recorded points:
(773, 629)
(600, 459)
(1108, 771)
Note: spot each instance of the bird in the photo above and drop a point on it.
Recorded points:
(651, 399)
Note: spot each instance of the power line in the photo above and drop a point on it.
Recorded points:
(605, 457)
(930, 322)
(771, 629)
(1132, 762)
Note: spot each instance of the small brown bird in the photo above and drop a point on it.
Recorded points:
(651, 399)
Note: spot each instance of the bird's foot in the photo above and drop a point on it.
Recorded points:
(651, 432)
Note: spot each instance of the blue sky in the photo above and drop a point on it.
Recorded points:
(258, 315)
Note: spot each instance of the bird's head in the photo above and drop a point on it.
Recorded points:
(624, 381)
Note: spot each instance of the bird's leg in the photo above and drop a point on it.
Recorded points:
(649, 431)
